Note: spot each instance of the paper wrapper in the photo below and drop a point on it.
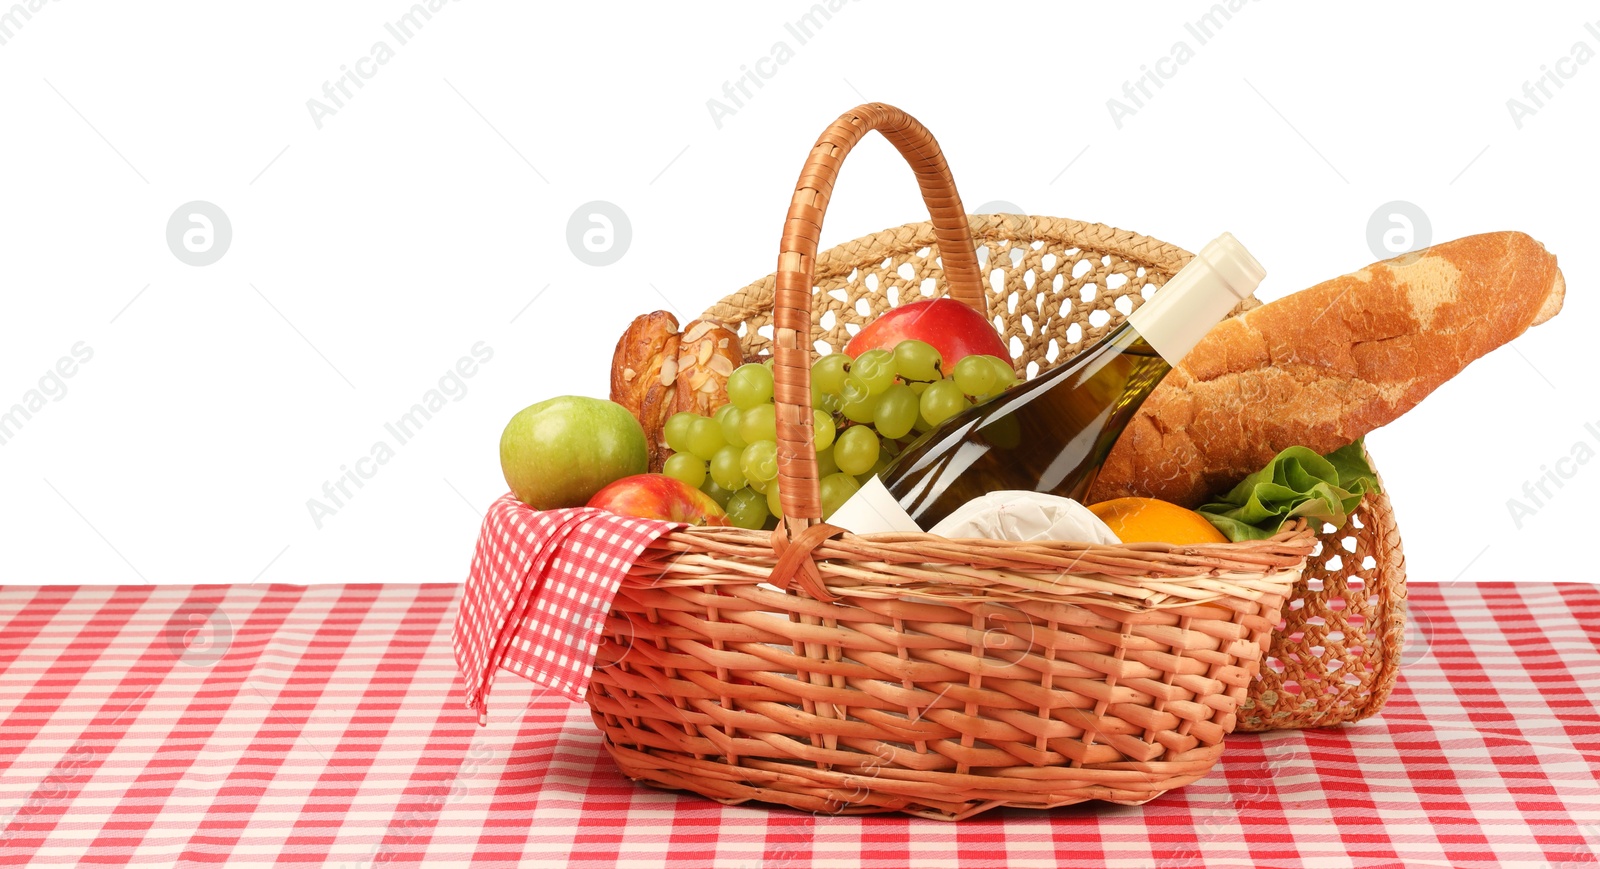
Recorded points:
(1017, 515)
(1003, 515)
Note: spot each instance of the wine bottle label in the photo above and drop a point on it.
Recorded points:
(872, 509)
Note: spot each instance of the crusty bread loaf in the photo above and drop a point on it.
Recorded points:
(638, 382)
(1326, 365)
(657, 372)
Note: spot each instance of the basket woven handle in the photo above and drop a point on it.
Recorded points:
(792, 298)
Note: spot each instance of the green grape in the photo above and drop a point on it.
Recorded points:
(875, 369)
(825, 464)
(857, 450)
(896, 412)
(835, 489)
(918, 387)
(705, 438)
(728, 418)
(921, 426)
(760, 461)
(758, 485)
(830, 403)
(941, 401)
(747, 509)
(677, 430)
(863, 411)
(1004, 373)
(768, 362)
(822, 429)
(854, 391)
(726, 471)
(687, 468)
(750, 385)
(828, 373)
(717, 493)
(976, 375)
(774, 505)
(758, 424)
(917, 360)
(883, 462)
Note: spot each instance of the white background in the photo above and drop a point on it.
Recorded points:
(428, 212)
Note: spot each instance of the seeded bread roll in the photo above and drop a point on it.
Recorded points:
(707, 354)
(657, 372)
(1329, 364)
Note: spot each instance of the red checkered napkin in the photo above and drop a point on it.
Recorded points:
(536, 600)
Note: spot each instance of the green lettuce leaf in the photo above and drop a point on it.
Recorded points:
(1297, 482)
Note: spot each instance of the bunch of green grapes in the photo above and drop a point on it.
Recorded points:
(865, 410)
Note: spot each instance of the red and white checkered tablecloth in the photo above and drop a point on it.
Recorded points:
(536, 598)
(319, 725)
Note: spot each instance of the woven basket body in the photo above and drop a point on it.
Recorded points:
(1055, 286)
(946, 678)
(844, 673)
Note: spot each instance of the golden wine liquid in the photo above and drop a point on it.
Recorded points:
(1050, 434)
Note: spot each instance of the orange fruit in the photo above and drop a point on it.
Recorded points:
(1150, 520)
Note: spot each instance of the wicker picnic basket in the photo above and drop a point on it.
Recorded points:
(845, 673)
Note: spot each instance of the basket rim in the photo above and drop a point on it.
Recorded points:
(1126, 576)
(843, 258)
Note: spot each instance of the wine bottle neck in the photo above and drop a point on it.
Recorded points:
(1197, 298)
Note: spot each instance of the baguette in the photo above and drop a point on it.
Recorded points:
(1327, 365)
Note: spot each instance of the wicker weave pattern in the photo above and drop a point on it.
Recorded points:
(948, 678)
(1028, 272)
(1336, 655)
(1049, 281)
(908, 672)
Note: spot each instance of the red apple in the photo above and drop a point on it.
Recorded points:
(954, 329)
(658, 496)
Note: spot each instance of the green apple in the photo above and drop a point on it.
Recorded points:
(560, 452)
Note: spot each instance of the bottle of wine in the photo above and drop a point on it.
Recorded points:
(1051, 434)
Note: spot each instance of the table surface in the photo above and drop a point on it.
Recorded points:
(306, 725)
